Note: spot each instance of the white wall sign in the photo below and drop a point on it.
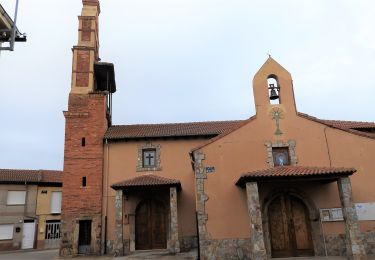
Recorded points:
(365, 211)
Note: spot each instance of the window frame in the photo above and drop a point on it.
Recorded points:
(11, 203)
(12, 233)
(157, 162)
(151, 151)
(290, 144)
(51, 206)
(283, 150)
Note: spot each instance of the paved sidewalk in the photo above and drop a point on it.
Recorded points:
(139, 255)
(160, 254)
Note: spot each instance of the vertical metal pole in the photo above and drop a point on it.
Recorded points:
(14, 28)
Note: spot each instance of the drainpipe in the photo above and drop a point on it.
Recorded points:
(105, 199)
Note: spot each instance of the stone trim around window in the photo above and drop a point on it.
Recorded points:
(291, 144)
(145, 146)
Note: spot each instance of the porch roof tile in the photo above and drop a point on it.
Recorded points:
(147, 180)
(297, 172)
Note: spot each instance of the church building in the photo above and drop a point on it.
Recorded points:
(279, 184)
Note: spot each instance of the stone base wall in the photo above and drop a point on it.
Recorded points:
(235, 248)
(109, 247)
(70, 235)
(9, 245)
(187, 243)
(336, 243)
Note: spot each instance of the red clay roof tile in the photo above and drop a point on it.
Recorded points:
(294, 171)
(30, 176)
(170, 130)
(146, 180)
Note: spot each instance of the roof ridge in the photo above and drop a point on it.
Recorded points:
(30, 170)
(335, 120)
(193, 122)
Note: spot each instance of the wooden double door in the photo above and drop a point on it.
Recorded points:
(289, 227)
(150, 225)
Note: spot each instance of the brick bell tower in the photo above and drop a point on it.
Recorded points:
(87, 119)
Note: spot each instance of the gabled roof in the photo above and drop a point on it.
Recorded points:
(215, 129)
(341, 123)
(147, 180)
(295, 172)
(17, 176)
(348, 126)
(210, 129)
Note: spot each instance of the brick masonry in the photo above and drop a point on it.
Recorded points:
(85, 118)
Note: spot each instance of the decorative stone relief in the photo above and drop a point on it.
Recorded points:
(291, 144)
(355, 248)
(173, 242)
(118, 245)
(257, 248)
(277, 114)
(142, 147)
(200, 176)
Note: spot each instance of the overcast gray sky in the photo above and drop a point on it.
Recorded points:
(180, 61)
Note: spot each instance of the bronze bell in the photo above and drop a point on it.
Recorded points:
(274, 94)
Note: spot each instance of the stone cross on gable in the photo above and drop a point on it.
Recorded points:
(277, 114)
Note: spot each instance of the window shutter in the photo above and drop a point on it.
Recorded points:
(6, 231)
(56, 202)
(16, 197)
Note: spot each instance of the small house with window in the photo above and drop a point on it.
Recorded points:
(21, 207)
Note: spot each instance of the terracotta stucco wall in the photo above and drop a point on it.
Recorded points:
(244, 151)
(121, 162)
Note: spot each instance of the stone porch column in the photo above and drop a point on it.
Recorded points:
(354, 245)
(258, 250)
(173, 242)
(118, 243)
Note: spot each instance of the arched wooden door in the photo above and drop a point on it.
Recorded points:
(289, 227)
(150, 225)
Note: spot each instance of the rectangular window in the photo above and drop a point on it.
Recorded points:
(148, 156)
(84, 181)
(6, 231)
(280, 156)
(16, 197)
(56, 202)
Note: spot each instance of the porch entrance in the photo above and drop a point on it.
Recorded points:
(289, 227)
(150, 225)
